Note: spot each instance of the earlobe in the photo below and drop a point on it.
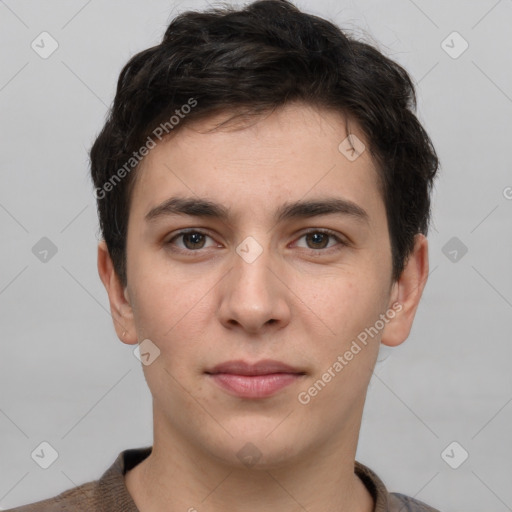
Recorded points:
(407, 292)
(120, 307)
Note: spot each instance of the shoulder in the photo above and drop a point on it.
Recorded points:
(402, 503)
(107, 493)
(78, 499)
(386, 501)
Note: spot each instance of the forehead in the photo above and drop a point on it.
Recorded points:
(295, 151)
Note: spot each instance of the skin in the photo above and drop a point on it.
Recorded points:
(302, 301)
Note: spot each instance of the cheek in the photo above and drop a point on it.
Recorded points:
(171, 317)
(171, 310)
(344, 353)
(345, 302)
(348, 304)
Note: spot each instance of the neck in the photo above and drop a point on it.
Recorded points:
(179, 476)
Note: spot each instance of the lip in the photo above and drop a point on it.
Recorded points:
(256, 380)
(263, 367)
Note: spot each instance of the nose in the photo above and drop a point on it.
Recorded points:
(254, 297)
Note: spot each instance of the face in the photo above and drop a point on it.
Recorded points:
(253, 275)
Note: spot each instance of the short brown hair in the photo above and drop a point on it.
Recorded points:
(250, 61)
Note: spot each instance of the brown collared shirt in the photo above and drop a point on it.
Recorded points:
(109, 493)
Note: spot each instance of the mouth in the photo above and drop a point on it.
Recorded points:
(258, 380)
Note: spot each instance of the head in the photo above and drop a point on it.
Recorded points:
(246, 111)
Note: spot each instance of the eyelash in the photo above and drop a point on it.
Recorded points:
(341, 243)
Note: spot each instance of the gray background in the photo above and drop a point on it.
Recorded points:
(66, 379)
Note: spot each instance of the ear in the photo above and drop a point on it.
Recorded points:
(120, 307)
(406, 293)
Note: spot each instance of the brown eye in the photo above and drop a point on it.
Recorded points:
(191, 240)
(317, 240)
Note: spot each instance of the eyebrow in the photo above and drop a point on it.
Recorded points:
(198, 207)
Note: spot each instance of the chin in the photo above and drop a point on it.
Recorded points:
(256, 448)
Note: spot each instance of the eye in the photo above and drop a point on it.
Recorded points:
(317, 239)
(192, 240)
